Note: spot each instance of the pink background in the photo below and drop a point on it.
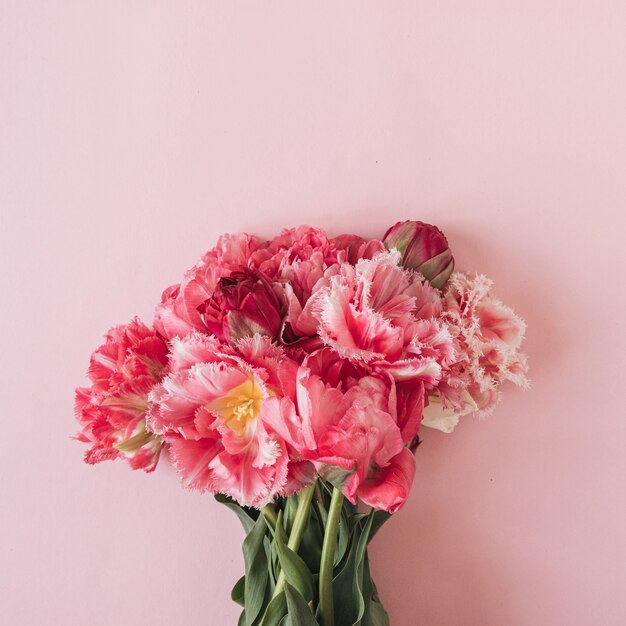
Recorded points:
(133, 133)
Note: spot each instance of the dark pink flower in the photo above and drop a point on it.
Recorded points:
(243, 304)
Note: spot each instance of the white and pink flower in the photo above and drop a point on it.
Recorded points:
(488, 337)
(214, 408)
(380, 314)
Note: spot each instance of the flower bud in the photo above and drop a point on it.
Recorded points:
(243, 304)
(424, 248)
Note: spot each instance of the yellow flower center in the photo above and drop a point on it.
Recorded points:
(240, 406)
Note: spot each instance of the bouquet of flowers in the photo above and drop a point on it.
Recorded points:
(290, 378)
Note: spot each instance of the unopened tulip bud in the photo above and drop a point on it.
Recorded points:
(424, 248)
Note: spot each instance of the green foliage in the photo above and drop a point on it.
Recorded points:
(257, 572)
(298, 611)
(280, 586)
(247, 516)
(295, 569)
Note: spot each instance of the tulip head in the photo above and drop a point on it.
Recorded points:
(244, 304)
(424, 248)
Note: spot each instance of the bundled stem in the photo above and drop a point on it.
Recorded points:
(300, 557)
(328, 559)
(299, 524)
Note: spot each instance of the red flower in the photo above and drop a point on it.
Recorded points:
(243, 304)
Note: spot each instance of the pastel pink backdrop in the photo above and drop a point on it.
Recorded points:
(133, 133)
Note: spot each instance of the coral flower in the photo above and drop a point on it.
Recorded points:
(354, 426)
(112, 411)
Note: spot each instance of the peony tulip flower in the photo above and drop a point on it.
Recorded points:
(112, 410)
(244, 304)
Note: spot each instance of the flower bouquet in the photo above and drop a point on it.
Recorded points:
(290, 378)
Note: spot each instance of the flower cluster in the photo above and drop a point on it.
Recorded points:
(275, 362)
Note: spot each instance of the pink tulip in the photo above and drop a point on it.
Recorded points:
(367, 440)
(424, 248)
(112, 411)
(177, 315)
(353, 426)
(370, 313)
(215, 409)
(243, 304)
(488, 337)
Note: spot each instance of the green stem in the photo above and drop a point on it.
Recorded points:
(302, 518)
(297, 530)
(327, 561)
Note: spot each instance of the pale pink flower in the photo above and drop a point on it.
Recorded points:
(214, 409)
(112, 411)
(488, 335)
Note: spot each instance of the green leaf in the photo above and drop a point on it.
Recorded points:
(350, 509)
(311, 545)
(275, 610)
(343, 539)
(279, 531)
(298, 611)
(375, 614)
(295, 569)
(238, 591)
(349, 582)
(356, 518)
(291, 505)
(380, 517)
(247, 516)
(322, 514)
(257, 573)
(357, 589)
(342, 584)
(279, 536)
